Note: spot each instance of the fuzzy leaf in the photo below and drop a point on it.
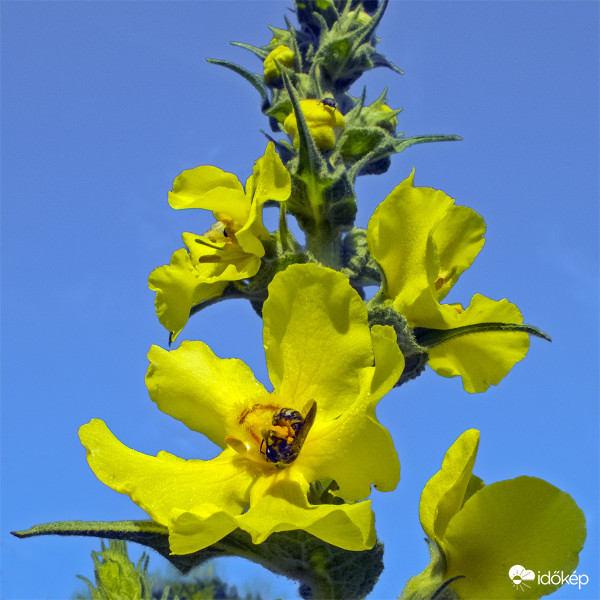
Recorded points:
(330, 572)
(253, 78)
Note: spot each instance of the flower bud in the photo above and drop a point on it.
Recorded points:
(381, 119)
(281, 54)
(323, 122)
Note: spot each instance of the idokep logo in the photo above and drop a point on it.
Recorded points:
(519, 576)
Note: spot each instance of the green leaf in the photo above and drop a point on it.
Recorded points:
(147, 533)
(311, 162)
(262, 53)
(401, 142)
(280, 109)
(324, 571)
(253, 78)
(430, 338)
(381, 61)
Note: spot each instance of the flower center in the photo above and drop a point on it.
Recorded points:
(281, 441)
(273, 434)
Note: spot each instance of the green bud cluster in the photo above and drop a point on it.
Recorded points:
(117, 577)
(335, 137)
(334, 45)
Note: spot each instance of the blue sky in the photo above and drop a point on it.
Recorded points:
(105, 103)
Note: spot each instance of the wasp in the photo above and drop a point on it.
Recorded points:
(329, 102)
(285, 438)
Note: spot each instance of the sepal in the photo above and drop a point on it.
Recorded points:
(257, 81)
(347, 46)
(357, 263)
(320, 492)
(261, 52)
(430, 583)
(415, 354)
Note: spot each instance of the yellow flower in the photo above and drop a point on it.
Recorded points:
(323, 122)
(482, 532)
(232, 249)
(320, 351)
(423, 242)
(283, 55)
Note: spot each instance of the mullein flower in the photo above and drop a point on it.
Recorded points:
(479, 533)
(321, 354)
(324, 122)
(232, 249)
(283, 55)
(423, 242)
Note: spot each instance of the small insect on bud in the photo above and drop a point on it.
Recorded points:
(329, 102)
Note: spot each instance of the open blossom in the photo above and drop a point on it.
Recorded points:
(480, 532)
(423, 242)
(320, 351)
(231, 250)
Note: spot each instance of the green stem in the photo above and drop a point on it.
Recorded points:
(283, 229)
(324, 246)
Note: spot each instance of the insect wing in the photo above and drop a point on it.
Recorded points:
(309, 419)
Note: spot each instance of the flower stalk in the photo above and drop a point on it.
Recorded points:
(300, 456)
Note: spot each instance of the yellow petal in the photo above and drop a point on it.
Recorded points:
(205, 392)
(161, 483)
(400, 240)
(353, 449)
(285, 508)
(213, 189)
(199, 527)
(316, 337)
(270, 181)
(423, 242)
(389, 362)
(481, 359)
(458, 239)
(519, 522)
(444, 493)
(178, 287)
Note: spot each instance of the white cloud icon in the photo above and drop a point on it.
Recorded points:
(519, 575)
